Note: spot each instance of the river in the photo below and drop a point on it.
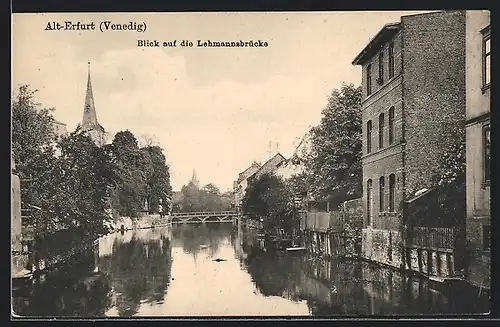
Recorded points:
(171, 271)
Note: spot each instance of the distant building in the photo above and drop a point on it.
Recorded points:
(89, 121)
(295, 164)
(269, 166)
(253, 173)
(60, 129)
(289, 168)
(413, 79)
(478, 144)
(241, 184)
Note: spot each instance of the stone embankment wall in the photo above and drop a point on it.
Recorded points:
(143, 222)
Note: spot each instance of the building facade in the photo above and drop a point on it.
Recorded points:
(60, 129)
(240, 185)
(269, 166)
(413, 78)
(478, 144)
(295, 164)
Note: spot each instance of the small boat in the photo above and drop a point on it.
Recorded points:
(203, 246)
(297, 248)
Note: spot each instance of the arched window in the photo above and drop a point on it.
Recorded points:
(381, 122)
(392, 192)
(369, 129)
(369, 200)
(391, 125)
(381, 193)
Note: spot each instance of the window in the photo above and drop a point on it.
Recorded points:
(381, 68)
(486, 153)
(381, 193)
(392, 192)
(369, 201)
(369, 80)
(391, 60)
(369, 128)
(486, 58)
(486, 237)
(381, 131)
(391, 125)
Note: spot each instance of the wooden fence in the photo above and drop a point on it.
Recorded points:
(322, 221)
(335, 232)
(431, 238)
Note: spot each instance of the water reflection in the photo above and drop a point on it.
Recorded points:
(334, 287)
(74, 290)
(116, 277)
(138, 268)
(171, 271)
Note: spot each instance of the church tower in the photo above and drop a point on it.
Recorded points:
(89, 122)
(194, 179)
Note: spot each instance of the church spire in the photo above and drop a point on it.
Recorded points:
(194, 179)
(89, 114)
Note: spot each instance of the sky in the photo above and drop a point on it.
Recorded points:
(215, 110)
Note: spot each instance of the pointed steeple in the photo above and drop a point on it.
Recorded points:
(89, 114)
(194, 179)
(89, 121)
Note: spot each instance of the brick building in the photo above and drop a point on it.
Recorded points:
(478, 144)
(413, 78)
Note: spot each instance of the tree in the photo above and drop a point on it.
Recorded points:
(190, 198)
(32, 129)
(268, 198)
(135, 167)
(32, 140)
(211, 199)
(451, 182)
(334, 162)
(158, 182)
(208, 198)
(67, 191)
(85, 178)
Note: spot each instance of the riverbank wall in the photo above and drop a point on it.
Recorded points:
(428, 252)
(146, 221)
(65, 245)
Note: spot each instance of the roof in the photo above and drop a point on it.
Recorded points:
(266, 164)
(241, 176)
(386, 33)
(254, 164)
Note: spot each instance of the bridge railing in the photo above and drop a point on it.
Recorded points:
(200, 213)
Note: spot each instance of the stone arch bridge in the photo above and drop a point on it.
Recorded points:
(204, 217)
